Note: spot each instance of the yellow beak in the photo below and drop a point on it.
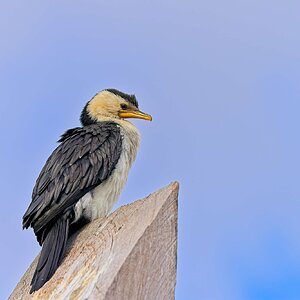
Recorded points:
(134, 114)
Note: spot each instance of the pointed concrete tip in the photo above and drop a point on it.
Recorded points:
(173, 184)
(130, 254)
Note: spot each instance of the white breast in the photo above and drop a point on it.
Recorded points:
(99, 202)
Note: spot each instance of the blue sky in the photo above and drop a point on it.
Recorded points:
(221, 79)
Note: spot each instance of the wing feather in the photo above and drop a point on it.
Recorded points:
(85, 158)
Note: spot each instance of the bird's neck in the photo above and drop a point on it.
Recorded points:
(129, 132)
(121, 122)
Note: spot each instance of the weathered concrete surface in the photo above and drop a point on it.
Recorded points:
(131, 254)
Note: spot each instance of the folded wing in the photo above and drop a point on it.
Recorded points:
(85, 158)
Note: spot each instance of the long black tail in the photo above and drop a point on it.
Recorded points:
(53, 251)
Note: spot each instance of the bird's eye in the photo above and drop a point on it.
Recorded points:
(124, 106)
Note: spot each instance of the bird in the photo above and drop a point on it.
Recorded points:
(83, 177)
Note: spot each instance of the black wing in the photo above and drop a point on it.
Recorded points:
(84, 159)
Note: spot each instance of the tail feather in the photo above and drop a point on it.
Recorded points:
(52, 254)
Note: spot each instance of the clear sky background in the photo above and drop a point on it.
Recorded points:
(221, 79)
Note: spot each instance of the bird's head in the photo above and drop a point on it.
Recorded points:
(111, 104)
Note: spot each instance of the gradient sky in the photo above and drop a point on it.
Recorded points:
(221, 79)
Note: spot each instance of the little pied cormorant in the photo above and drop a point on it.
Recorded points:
(83, 177)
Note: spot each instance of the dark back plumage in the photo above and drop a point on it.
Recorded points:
(85, 158)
